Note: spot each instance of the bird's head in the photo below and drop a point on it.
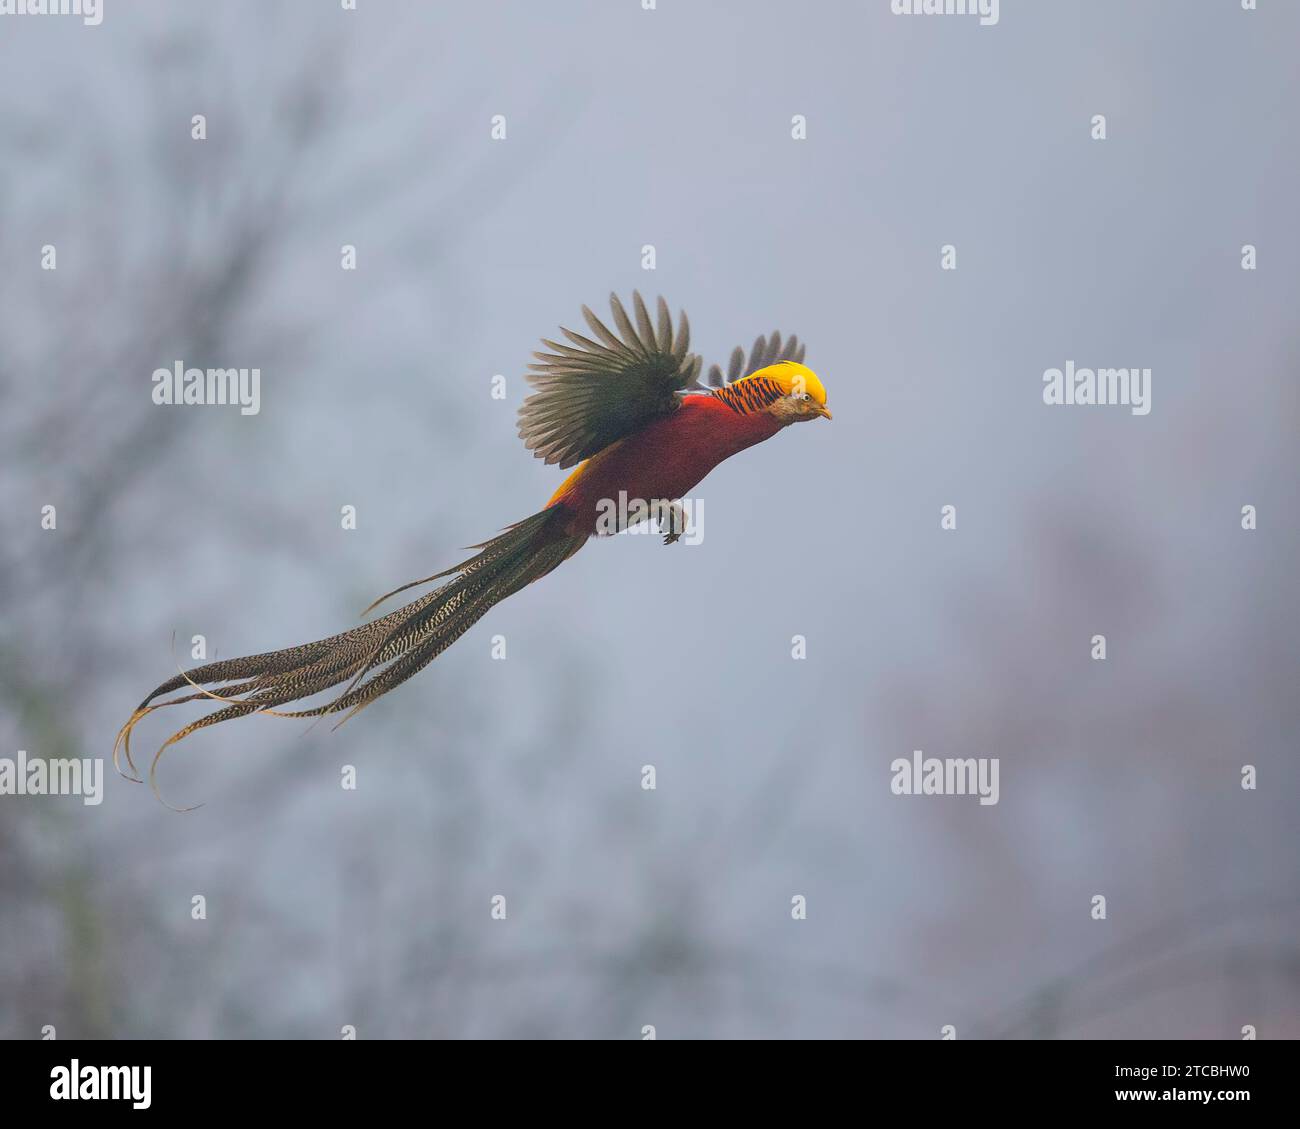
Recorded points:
(803, 395)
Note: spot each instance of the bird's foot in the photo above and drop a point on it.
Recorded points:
(674, 521)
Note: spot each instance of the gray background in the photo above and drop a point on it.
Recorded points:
(521, 777)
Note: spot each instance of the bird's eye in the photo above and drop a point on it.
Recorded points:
(801, 396)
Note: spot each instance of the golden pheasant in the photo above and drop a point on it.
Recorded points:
(630, 411)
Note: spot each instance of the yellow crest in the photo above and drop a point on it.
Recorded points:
(792, 378)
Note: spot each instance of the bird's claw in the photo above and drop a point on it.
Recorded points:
(674, 521)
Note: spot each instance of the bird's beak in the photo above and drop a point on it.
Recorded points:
(823, 410)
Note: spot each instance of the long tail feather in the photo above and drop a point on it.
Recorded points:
(373, 658)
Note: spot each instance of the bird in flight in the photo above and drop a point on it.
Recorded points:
(627, 410)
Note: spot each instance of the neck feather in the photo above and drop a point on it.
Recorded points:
(752, 394)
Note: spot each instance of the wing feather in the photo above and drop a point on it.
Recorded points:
(766, 350)
(664, 338)
(593, 392)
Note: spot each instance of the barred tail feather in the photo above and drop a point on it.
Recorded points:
(374, 658)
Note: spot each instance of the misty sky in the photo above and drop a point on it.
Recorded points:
(672, 128)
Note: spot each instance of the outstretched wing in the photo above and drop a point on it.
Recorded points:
(592, 393)
(766, 351)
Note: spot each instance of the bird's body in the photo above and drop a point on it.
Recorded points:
(665, 460)
(629, 412)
